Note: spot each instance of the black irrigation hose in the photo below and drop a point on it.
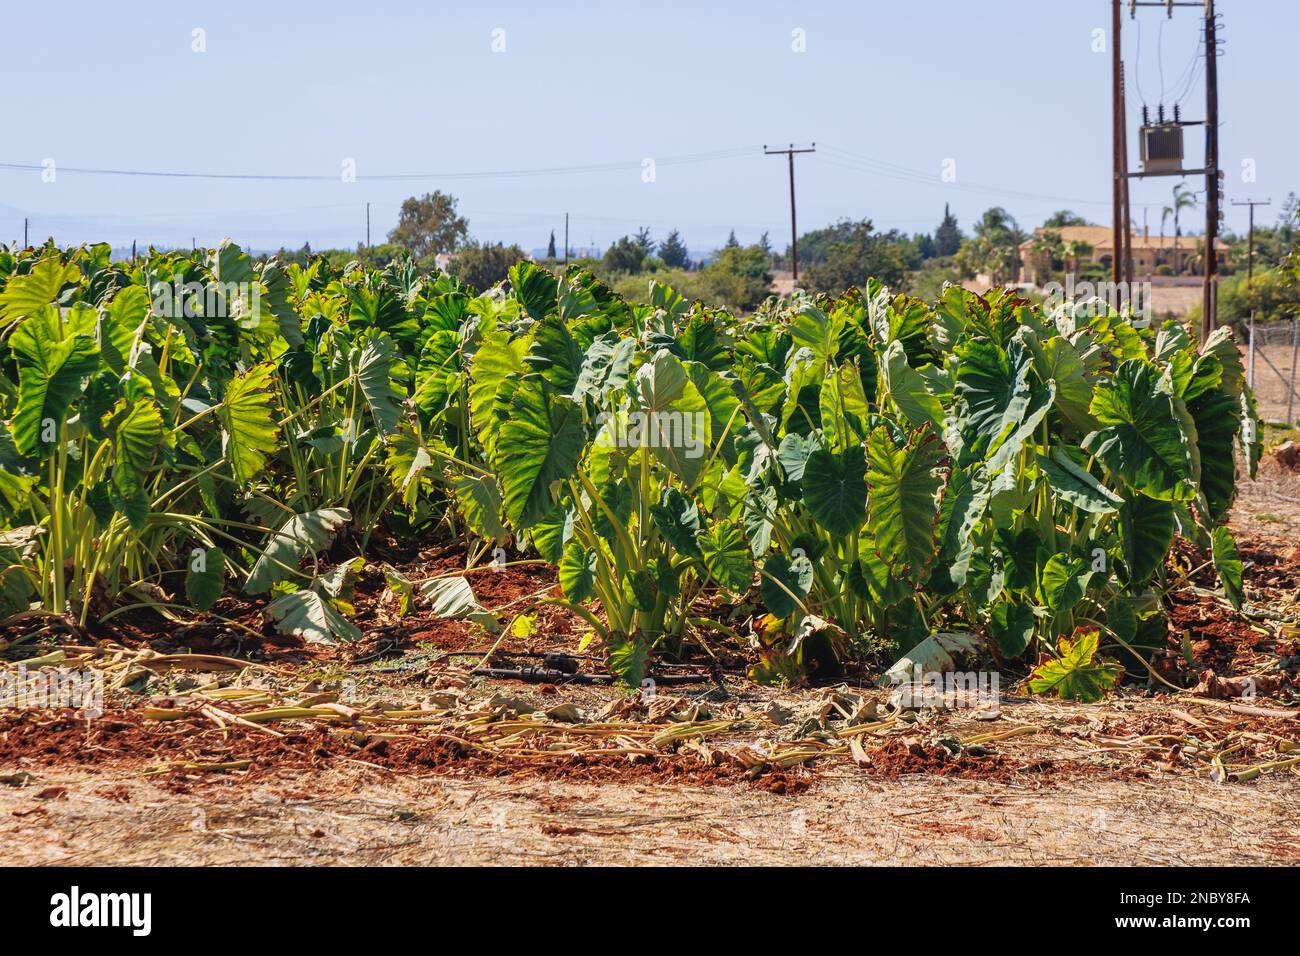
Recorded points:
(542, 675)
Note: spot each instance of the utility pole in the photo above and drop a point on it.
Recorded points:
(1213, 175)
(1126, 225)
(25, 243)
(1117, 132)
(1210, 302)
(367, 225)
(1250, 274)
(566, 242)
(794, 230)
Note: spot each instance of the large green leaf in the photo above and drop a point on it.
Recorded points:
(844, 407)
(277, 299)
(1142, 438)
(577, 572)
(813, 329)
(138, 444)
(1146, 531)
(1215, 415)
(555, 356)
(534, 287)
(605, 367)
(1063, 581)
(248, 418)
(543, 439)
(27, 294)
(1012, 626)
(55, 358)
(726, 556)
(1075, 675)
(678, 519)
(479, 500)
(301, 535)
(627, 659)
(374, 376)
(1227, 562)
(907, 389)
(204, 577)
(672, 417)
(1077, 487)
(835, 489)
(785, 583)
(497, 369)
(1057, 360)
(904, 485)
(995, 394)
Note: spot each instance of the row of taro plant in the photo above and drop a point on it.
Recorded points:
(871, 469)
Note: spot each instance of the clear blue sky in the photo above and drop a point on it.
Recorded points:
(1010, 90)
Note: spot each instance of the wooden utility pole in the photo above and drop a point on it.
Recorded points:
(1250, 274)
(1117, 133)
(1209, 304)
(1126, 225)
(1209, 301)
(25, 243)
(794, 229)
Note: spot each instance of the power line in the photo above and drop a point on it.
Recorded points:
(617, 166)
(860, 163)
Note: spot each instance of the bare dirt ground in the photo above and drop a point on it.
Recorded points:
(362, 817)
(394, 754)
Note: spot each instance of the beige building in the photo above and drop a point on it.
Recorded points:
(1093, 245)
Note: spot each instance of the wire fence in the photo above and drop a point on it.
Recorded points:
(1272, 356)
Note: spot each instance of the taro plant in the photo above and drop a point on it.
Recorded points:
(862, 471)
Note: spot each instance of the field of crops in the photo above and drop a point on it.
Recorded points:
(820, 486)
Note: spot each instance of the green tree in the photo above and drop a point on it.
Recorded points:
(642, 239)
(429, 224)
(625, 255)
(861, 254)
(1062, 218)
(483, 265)
(672, 251)
(948, 237)
(739, 277)
(731, 241)
(1000, 226)
(550, 247)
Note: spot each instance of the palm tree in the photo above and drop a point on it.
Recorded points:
(1072, 250)
(1184, 198)
(1046, 246)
